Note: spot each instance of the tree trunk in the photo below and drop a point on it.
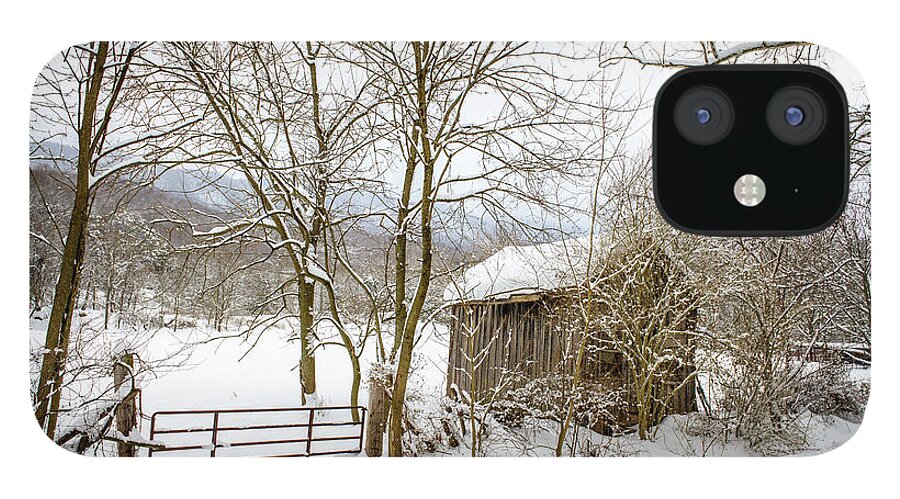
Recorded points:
(377, 413)
(107, 303)
(59, 327)
(305, 296)
(400, 242)
(395, 446)
(126, 412)
(307, 360)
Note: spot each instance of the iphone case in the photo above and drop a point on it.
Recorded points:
(418, 249)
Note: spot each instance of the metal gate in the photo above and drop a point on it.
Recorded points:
(271, 432)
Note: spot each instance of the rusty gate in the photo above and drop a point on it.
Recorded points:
(270, 432)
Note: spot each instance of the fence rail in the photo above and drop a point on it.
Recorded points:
(276, 433)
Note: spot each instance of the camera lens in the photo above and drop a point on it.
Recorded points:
(703, 115)
(796, 115)
(793, 115)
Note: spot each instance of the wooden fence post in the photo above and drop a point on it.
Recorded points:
(377, 418)
(126, 412)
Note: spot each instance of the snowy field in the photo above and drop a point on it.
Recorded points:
(206, 371)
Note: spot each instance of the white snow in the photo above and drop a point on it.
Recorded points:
(524, 269)
(262, 371)
(679, 435)
(135, 437)
(223, 373)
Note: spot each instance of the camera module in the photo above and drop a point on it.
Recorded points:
(751, 150)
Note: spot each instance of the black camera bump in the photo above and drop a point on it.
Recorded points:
(751, 150)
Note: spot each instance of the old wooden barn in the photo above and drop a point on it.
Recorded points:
(519, 315)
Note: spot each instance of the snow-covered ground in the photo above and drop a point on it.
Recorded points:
(261, 371)
(681, 435)
(207, 371)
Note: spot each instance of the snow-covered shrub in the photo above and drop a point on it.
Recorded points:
(88, 396)
(830, 391)
(426, 424)
(426, 414)
(547, 397)
(607, 447)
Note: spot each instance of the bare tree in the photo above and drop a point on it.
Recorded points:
(432, 87)
(80, 94)
(295, 138)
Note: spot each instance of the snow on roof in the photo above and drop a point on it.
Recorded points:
(517, 270)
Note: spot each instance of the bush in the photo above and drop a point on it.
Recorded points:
(829, 391)
(598, 406)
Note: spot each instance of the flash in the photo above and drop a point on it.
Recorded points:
(750, 190)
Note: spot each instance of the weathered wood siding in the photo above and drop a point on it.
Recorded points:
(536, 337)
(487, 339)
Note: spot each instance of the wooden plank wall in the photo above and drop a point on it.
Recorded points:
(532, 338)
(520, 337)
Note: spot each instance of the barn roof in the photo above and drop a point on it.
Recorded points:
(523, 270)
